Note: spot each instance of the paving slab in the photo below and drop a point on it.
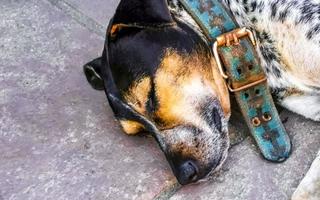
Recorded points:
(246, 176)
(58, 138)
(99, 10)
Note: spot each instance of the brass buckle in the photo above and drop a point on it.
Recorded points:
(228, 39)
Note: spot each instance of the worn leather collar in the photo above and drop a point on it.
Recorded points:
(239, 64)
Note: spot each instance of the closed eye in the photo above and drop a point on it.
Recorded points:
(152, 103)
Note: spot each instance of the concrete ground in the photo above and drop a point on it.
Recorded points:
(59, 140)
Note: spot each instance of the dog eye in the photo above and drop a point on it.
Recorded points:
(151, 104)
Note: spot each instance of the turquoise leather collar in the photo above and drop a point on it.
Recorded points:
(239, 64)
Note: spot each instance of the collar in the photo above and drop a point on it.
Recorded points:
(233, 48)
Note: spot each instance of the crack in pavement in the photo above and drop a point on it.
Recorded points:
(80, 17)
(169, 191)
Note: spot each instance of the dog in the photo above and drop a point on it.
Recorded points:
(159, 74)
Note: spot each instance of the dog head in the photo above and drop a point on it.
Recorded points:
(160, 77)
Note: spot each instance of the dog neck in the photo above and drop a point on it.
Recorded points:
(143, 12)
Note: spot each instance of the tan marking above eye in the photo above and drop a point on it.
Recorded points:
(131, 127)
(138, 93)
(178, 73)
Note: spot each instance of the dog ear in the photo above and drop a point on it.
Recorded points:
(143, 12)
(121, 109)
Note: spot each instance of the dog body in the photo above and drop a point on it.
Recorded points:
(158, 71)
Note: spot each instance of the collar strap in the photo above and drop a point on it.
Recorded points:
(239, 64)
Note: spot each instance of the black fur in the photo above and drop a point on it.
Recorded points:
(134, 52)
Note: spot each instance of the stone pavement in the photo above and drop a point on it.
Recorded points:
(58, 139)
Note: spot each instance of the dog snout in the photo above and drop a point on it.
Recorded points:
(194, 152)
(187, 172)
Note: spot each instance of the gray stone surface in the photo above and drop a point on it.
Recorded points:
(98, 10)
(246, 176)
(58, 138)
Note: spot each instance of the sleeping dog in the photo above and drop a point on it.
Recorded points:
(159, 74)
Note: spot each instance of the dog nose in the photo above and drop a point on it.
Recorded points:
(187, 173)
